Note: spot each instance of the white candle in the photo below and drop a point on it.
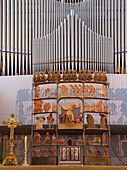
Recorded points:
(25, 143)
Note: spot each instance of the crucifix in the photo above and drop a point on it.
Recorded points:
(12, 124)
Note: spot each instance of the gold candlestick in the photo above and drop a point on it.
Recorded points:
(11, 123)
(25, 153)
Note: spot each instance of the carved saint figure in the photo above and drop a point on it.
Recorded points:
(40, 120)
(104, 139)
(61, 141)
(102, 91)
(50, 119)
(53, 139)
(35, 151)
(52, 150)
(37, 90)
(80, 141)
(37, 138)
(43, 151)
(47, 139)
(103, 122)
(90, 122)
(91, 153)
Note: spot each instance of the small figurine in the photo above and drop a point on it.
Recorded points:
(106, 153)
(91, 153)
(90, 122)
(38, 106)
(47, 106)
(40, 120)
(43, 151)
(53, 139)
(98, 153)
(87, 140)
(103, 122)
(37, 90)
(99, 106)
(47, 139)
(61, 141)
(35, 151)
(37, 138)
(92, 107)
(69, 142)
(105, 109)
(97, 141)
(80, 141)
(86, 108)
(104, 139)
(54, 108)
(52, 150)
(102, 91)
(50, 119)
(46, 92)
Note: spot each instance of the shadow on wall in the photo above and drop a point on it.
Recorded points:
(24, 105)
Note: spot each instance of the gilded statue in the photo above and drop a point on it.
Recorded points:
(37, 92)
(46, 92)
(38, 106)
(90, 122)
(103, 121)
(102, 91)
(40, 120)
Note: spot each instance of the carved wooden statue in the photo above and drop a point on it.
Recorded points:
(80, 141)
(35, 151)
(106, 153)
(102, 91)
(59, 77)
(92, 92)
(89, 76)
(40, 120)
(91, 153)
(103, 122)
(92, 107)
(38, 106)
(86, 108)
(46, 92)
(97, 141)
(104, 77)
(52, 150)
(35, 78)
(61, 141)
(43, 151)
(90, 122)
(104, 139)
(95, 76)
(37, 138)
(54, 108)
(105, 108)
(50, 120)
(47, 139)
(53, 139)
(80, 75)
(37, 92)
(99, 153)
(99, 106)
(47, 106)
(85, 75)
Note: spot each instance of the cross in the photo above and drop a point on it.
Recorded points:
(12, 124)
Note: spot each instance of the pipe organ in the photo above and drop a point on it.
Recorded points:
(70, 39)
(46, 22)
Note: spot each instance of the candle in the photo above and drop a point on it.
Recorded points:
(25, 143)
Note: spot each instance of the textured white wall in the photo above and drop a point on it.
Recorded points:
(16, 97)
